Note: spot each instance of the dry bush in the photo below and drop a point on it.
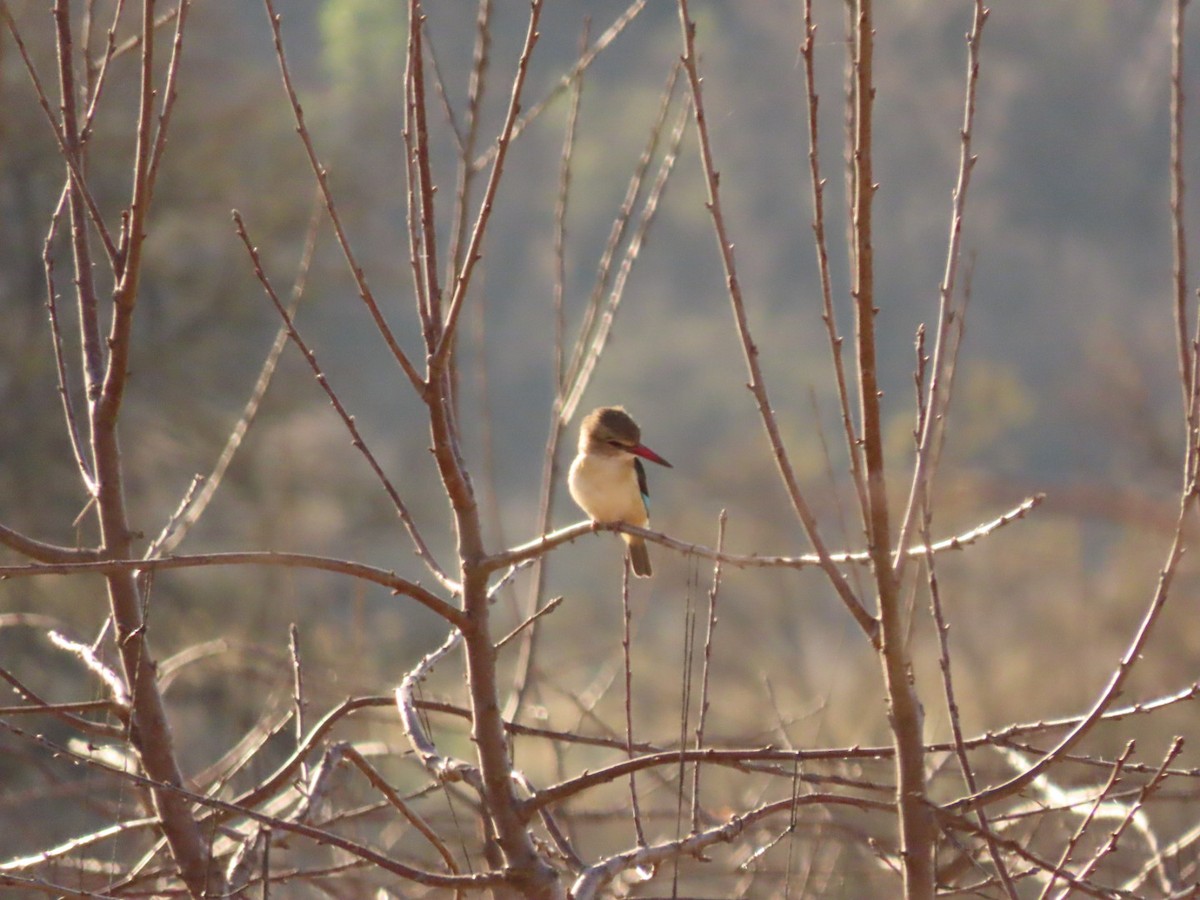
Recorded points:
(440, 721)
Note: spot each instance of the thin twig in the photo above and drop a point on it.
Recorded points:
(1085, 821)
(596, 876)
(299, 704)
(1116, 682)
(77, 845)
(82, 462)
(757, 384)
(481, 58)
(625, 646)
(169, 94)
(590, 340)
(581, 64)
(949, 318)
(442, 768)
(174, 535)
(410, 524)
(550, 606)
(421, 218)
(249, 558)
(702, 716)
(322, 176)
(372, 774)
(321, 836)
(570, 533)
(828, 316)
(1133, 813)
(526, 665)
(960, 750)
(472, 254)
(687, 668)
(1187, 352)
(37, 704)
(62, 135)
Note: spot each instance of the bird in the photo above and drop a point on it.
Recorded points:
(608, 480)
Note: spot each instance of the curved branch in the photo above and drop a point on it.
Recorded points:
(472, 254)
(1115, 684)
(598, 875)
(320, 836)
(442, 768)
(556, 793)
(43, 552)
(941, 375)
(381, 577)
(757, 384)
(321, 174)
(348, 420)
(568, 533)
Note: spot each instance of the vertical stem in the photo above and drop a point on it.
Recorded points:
(817, 184)
(1187, 350)
(950, 317)
(863, 284)
(529, 873)
(150, 731)
(904, 710)
(757, 384)
(89, 323)
(626, 619)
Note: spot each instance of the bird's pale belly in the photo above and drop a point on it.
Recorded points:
(607, 490)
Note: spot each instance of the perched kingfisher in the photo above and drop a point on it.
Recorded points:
(608, 480)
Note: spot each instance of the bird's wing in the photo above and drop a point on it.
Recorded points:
(641, 476)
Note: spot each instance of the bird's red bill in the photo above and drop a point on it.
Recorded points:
(646, 453)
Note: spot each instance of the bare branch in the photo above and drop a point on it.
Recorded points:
(817, 184)
(82, 461)
(550, 607)
(322, 176)
(1133, 813)
(472, 253)
(421, 220)
(321, 836)
(1187, 351)
(581, 65)
(757, 384)
(66, 712)
(569, 533)
(63, 138)
(247, 558)
(192, 509)
(410, 524)
(941, 370)
(1069, 848)
(74, 846)
(43, 552)
(359, 761)
(440, 767)
(1111, 691)
(598, 317)
(960, 749)
(595, 877)
(702, 716)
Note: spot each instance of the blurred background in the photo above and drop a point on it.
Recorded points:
(1067, 379)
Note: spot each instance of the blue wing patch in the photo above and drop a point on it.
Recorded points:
(641, 477)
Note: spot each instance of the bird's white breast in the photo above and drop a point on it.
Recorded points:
(606, 488)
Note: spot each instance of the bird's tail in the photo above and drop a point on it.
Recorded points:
(639, 556)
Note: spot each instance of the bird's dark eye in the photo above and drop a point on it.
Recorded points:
(616, 444)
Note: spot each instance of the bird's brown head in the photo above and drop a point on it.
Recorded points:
(609, 429)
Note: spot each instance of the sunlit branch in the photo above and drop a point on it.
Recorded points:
(247, 558)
